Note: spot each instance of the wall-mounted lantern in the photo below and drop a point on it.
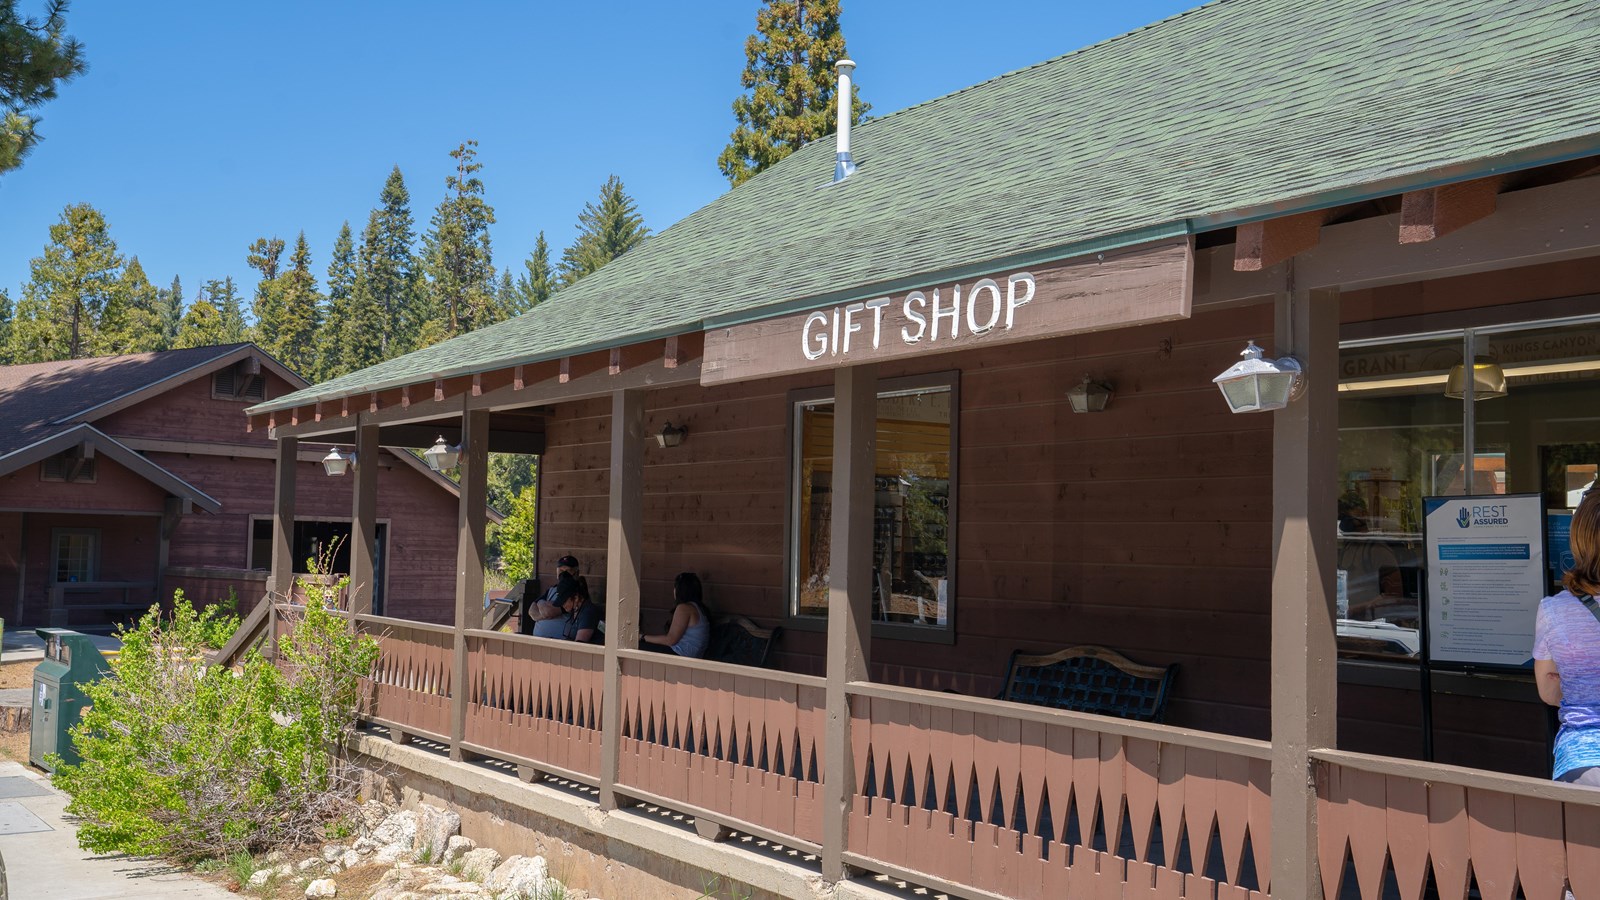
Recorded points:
(1488, 381)
(336, 463)
(671, 435)
(1256, 384)
(442, 455)
(1090, 396)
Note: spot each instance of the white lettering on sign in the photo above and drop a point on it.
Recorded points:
(982, 309)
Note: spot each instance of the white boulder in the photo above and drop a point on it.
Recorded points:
(322, 887)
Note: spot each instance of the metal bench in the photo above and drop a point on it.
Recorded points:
(1089, 679)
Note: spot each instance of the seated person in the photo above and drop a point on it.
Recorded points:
(583, 617)
(543, 617)
(690, 631)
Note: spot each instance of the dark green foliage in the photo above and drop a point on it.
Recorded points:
(287, 305)
(536, 284)
(131, 321)
(225, 297)
(792, 87)
(336, 312)
(6, 312)
(36, 57)
(186, 760)
(201, 325)
(456, 254)
(68, 288)
(170, 305)
(606, 230)
(385, 309)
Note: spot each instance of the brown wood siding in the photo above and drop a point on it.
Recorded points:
(128, 548)
(189, 413)
(113, 488)
(1145, 528)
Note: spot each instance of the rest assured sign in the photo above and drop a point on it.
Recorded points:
(1132, 287)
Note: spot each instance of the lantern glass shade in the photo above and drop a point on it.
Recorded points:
(1090, 396)
(441, 455)
(671, 435)
(1255, 384)
(1488, 382)
(336, 463)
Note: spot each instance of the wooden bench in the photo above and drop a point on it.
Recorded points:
(1089, 679)
(737, 640)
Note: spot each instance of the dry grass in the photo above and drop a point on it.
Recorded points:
(17, 674)
(14, 746)
(354, 884)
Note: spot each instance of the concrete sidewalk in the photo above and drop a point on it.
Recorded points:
(43, 860)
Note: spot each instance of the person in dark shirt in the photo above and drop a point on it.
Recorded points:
(583, 616)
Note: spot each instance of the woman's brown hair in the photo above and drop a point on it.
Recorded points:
(1584, 578)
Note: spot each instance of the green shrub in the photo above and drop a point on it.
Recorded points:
(187, 760)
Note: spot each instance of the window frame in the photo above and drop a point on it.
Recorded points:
(948, 379)
(56, 534)
(383, 562)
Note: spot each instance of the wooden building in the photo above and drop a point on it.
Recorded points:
(845, 404)
(124, 478)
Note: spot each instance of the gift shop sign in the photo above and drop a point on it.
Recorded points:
(1130, 287)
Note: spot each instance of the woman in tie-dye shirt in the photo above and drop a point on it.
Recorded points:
(1566, 652)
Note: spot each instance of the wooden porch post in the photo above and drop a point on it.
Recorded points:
(470, 543)
(1305, 440)
(624, 558)
(364, 520)
(281, 587)
(855, 418)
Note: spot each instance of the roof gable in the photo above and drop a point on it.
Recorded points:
(1237, 110)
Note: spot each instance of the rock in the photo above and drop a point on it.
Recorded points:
(332, 852)
(365, 845)
(480, 863)
(307, 865)
(322, 887)
(399, 828)
(259, 878)
(520, 875)
(373, 813)
(391, 854)
(284, 869)
(351, 859)
(457, 847)
(452, 888)
(435, 828)
(274, 858)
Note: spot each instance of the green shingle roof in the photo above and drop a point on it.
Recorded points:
(1237, 110)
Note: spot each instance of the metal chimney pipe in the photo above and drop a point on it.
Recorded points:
(844, 166)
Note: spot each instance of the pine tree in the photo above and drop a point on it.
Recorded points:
(605, 232)
(507, 297)
(36, 57)
(286, 310)
(387, 270)
(224, 298)
(202, 325)
(170, 305)
(535, 286)
(336, 311)
(457, 254)
(6, 311)
(131, 321)
(365, 333)
(792, 86)
(67, 290)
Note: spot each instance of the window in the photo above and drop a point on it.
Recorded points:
(1402, 437)
(913, 506)
(75, 554)
(312, 540)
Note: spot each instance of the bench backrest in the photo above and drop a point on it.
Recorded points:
(1090, 679)
(737, 640)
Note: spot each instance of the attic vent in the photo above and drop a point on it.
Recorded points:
(71, 466)
(236, 383)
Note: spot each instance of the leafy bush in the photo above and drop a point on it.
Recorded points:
(188, 760)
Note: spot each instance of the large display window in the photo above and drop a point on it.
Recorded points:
(1417, 419)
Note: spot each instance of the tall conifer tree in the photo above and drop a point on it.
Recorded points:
(68, 288)
(36, 56)
(535, 285)
(606, 230)
(791, 87)
(458, 256)
(202, 324)
(131, 322)
(387, 276)
(365, 333)
(230, 310)
(286, 312)
(171, 308)
(336, 311)
(6, 311)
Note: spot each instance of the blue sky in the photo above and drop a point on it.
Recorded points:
(201, 126)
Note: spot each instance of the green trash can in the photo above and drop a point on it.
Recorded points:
(70, 660)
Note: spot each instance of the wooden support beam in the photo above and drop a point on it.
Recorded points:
(517, 383)
(281, 584)
(1305, 443)
(405, 396)
(1262, 245)
(1435, 212)
(615, 366)
(438, 390)
(471, 555)
(317, 415)
(681, 348)
(624, 561)
(855, 406)
(364, 521)
(477, 385)
(250, 365)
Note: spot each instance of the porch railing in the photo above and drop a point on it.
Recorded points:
(1380, 818)
(979, 798)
